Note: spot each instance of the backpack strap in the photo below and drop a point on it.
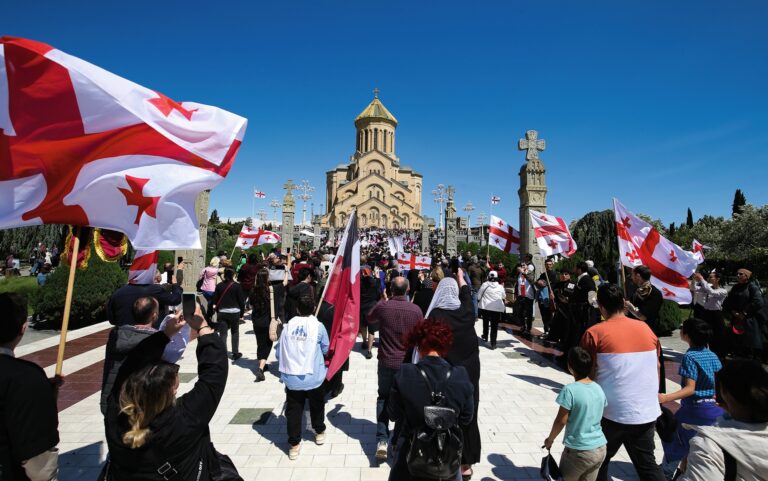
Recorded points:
(730, 466)
(429, 384)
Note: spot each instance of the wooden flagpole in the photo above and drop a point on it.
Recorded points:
(68, 301)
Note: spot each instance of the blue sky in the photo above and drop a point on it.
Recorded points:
(661, 104)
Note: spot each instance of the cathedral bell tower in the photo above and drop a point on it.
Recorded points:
(376, 129)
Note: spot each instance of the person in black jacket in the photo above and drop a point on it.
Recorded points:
(410, 393)
(304, 287)
(229, 305)
(261, 316)
(645, 306)
(120, 306)
(743, 306)
(148, 430)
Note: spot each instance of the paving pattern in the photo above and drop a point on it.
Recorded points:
(517, 404)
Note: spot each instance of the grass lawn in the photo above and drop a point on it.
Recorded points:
(23, 285)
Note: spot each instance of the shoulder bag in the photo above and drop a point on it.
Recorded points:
(275, 324)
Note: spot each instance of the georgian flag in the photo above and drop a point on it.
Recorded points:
(697, 249)
(495, 199)
(552, 235)
(395, 245)
(251, 236)
(503, 236)
(409, 262)
(259, 194)
(82, 146)
(641, 244)
(143, 268)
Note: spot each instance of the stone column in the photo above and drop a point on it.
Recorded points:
(289, 210)
(194, 259)
(425, 236)
(316, 241)
(533, 195)
(450, 247)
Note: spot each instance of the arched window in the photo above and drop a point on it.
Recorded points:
(366, 141)
(375, 138)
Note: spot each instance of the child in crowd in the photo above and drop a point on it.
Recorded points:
(581, 409)
(698, 406)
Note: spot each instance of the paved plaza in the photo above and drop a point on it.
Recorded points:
(517, 405)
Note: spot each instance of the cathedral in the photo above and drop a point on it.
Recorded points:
(384, 193)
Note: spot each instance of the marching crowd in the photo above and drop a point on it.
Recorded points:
(428, 367)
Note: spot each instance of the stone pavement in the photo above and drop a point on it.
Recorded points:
(518, 390)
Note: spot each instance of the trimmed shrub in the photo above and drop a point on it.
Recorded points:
(26, 286)
(92, 289)
(670, 317)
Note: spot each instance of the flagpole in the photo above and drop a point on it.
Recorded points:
(68, 302)
(621, 266)
(253, 205)
(488, 244)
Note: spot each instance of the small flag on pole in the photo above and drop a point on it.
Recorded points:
(495, 199)
(259, 194)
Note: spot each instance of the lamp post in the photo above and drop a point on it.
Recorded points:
(275, 204)
(468, 209)
(306, 193)
(440, 198)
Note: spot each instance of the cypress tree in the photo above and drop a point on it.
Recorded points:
(689, 219)
(739, 201)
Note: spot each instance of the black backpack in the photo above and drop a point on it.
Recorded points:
(436, 446)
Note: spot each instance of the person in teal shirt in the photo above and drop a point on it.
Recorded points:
(581, 409)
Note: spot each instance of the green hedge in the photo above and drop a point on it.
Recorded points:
(26, 286)
(670, 317)
(93, 287)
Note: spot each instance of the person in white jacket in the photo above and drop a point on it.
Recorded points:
(490, 299)
(736, 446)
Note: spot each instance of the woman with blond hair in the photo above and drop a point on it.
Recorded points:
(153, 435)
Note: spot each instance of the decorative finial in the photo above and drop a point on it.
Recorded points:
(375, 92)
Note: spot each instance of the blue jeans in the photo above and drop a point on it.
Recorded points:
(474, 301)
(386, 377)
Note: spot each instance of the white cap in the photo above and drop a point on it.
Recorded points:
(493, 275)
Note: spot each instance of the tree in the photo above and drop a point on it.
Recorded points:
(739, 201)
(214, 217)
(595, 236)
(689, 219)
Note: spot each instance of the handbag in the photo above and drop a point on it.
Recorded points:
(666, 424)
(275, 324)
(549, 468)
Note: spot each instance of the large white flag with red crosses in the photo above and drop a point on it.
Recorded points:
(641, 244)
(552, 235)
(409, 262)
(251, 236)
(82, 146)
(503, 236)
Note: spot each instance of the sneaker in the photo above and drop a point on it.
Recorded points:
(293, 452)
(320, 438)
(236, 356)
(259, 376)
(368, 354)
(381, 450)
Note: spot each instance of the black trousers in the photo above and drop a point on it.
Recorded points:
(491, 319)
(294, 408)
(638, 441)
(227, 321)
(524, 308)
(546, 316)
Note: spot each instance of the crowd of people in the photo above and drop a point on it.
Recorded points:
(428, 366)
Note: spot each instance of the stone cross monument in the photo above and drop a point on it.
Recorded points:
(316, 241)
(533, 194)
(425, 237)
(194, 259)
(289, 209)
(450, 224)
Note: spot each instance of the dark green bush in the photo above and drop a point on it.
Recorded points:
(93, 287)
(670, 317)
(26, 286)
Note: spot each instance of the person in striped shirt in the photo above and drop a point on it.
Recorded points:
(625, 355)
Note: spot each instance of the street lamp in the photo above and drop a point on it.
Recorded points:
(306, 194)
(275, 204)
(440, 198)
(468, 209)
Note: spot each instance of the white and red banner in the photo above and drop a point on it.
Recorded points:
(641, 244)
(552, 235)
(395, 245)
(697, 249)
(252, 236)
(143, 268)
(495, 199)
(409, 262)
(80, 145)
(343, 293)
(259, 194)
(503, 236)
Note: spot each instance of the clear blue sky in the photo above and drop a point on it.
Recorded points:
(662, 104)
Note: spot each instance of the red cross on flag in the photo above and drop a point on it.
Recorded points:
(259, 194)
(552, 235)
(143, 268)
(503, 236)
(82, 146)
(641, 244)
(495, 199)
(250, 236)
(697, 249)
(409, 262)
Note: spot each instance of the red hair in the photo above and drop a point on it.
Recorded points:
(430, 335)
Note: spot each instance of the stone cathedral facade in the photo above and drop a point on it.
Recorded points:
(384, 193)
